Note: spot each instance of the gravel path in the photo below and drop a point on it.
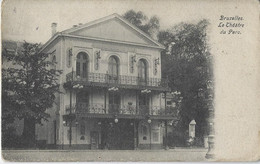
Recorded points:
(104, 155)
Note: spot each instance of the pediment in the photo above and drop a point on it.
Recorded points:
(114, 29)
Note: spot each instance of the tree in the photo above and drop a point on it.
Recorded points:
(139, 19)
(187, 63)
(28, 88)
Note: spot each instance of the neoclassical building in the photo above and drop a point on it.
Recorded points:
(113, 95)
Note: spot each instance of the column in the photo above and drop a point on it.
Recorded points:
(137, 102)
(105, 99)
(166, 136)
(165, 103)
(135, 140)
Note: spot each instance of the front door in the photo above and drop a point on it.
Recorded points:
(94, 140)
(118, 136)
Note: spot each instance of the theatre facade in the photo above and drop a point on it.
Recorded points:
(113, 95)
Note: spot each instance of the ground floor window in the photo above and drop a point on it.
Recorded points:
(155, 136)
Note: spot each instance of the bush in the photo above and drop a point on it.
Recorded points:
(199, 141)
(195, 142)
(176, 140)
(10, 139)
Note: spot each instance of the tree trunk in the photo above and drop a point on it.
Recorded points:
(29, 133)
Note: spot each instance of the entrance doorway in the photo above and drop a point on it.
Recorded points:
(94, 140)
(118, 136)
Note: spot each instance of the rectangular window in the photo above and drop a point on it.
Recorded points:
(155, 136)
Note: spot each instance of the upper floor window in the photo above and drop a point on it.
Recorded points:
(142, 70)
(113, 66)
(82, 100)
(82, 65)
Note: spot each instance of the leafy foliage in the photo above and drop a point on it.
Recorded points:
(29, 85)
(149, 26)
(187, 63)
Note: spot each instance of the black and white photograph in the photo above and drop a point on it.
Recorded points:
(130, 81)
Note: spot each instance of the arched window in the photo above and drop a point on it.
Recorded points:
(142, 71)
(82, 65)
(113, 68)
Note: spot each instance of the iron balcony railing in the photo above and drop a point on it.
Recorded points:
(121, 79)
(85, 108)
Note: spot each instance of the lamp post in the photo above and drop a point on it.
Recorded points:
(149, 122)
(70, 114)
(76, 123)
(116, 119)
(210, 153)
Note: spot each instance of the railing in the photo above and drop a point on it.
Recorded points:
(80, 108)
(121, 79)
(143, 109)
(157, 110)
(85, 108)
(122, 109)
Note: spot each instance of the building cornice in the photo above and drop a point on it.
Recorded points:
(111, 41)
(56, 36)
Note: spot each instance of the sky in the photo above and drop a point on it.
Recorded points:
(31, 20)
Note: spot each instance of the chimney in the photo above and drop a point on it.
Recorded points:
(53, 28)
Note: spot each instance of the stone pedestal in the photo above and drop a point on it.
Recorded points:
(210, 153)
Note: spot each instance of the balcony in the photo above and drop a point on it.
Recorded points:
(130, 82)
(130, 111)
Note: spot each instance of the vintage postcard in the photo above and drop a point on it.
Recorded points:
(130, 81)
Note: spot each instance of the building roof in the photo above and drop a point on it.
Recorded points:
(72, 32)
